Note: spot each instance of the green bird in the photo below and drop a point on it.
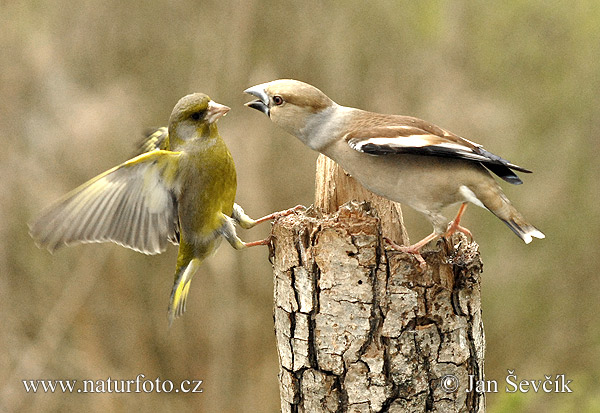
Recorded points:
(180, 189)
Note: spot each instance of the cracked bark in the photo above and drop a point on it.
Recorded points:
(363, 329)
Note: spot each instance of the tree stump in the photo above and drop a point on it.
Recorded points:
(363, 329)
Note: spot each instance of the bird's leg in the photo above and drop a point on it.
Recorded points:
(415, 248)
(279, 214)
(246, 222)
(228, 232)
(265, 241)
(239, 216)
(455, 225)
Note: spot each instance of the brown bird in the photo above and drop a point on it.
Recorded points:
(402, 158)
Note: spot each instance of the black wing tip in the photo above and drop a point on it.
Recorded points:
(515, 180)
(501, 161)
(504, 172)
(502, 167)
(520, 169)
(499, 166)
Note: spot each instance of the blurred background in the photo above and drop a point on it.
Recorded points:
(81, 81)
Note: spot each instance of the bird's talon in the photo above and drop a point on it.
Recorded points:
(276, 215)
(290, 211)
(411, 249)
(453, 228)
(298, 208)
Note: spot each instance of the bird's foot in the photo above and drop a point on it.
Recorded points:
(455, 227)
(279, 214)
(414, 249)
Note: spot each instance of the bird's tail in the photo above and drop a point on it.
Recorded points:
(500, 206)
(522, 228)
(183, 278)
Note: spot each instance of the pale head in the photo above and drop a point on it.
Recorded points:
(289, 103)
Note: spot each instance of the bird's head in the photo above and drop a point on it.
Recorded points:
(291, 104)
(194, 115)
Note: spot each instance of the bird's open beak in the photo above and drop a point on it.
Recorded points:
(215, 111)
(262, 103)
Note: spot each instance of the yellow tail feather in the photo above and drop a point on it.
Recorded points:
(181, 289)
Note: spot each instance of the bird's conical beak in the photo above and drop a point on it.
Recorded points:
(215, 111)
(262, 103)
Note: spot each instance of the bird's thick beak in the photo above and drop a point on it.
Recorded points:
(215, 111)
(262, 103)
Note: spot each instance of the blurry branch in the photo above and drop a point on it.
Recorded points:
(364, 329)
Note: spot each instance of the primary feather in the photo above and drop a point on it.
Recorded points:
(402, 135)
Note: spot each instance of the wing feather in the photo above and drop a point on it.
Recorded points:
(429, 141)
(132, 205)
(155, 139)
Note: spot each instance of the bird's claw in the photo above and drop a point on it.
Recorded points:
(279, 214)
(410, 249)
(288, 211)
(453, 228)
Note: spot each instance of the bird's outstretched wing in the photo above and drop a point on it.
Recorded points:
(415, 136)
(132, 205)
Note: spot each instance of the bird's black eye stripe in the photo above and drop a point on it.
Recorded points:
(197, 115)
(277, 100)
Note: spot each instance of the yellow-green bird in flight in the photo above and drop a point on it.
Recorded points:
(181, 189)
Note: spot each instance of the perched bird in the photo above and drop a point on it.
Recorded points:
(181, 189)
(402, 158)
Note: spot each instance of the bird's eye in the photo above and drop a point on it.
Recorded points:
(277, 100)
(196, 116)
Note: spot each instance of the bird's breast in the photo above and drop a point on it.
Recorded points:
(208, 192)
(426, 183)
